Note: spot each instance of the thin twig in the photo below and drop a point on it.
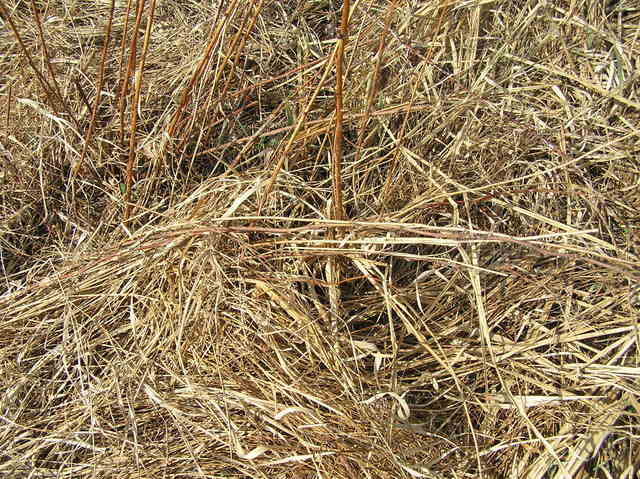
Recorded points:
(123, 76)
(96, 102)
(47, 60)
(338, 207)
(134, 110)
(213, 43)
(48, 90)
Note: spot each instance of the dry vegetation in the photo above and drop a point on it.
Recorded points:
(241, 240)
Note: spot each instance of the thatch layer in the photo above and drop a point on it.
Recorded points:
(203, 276)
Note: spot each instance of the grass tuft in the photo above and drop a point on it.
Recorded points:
(319, 239)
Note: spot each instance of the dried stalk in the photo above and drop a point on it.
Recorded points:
(134, 107)
(96, 102)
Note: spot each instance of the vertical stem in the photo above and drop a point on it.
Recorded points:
(48, 90)
(134, 109)
(96, 102)
(123, 80)
(333, 267)
(186, 94)
(343, 33)
(133, 50)
(47, 59)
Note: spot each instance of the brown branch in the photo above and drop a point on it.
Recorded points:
(96, 102)
(124, 80)
(186, 94)
(47, 58)
(336, 170)
(134, 110)
(48, 90)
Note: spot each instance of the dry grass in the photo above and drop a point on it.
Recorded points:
(221, 258)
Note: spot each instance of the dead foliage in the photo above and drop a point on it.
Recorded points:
(383, 238)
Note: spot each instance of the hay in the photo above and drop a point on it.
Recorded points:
(218, 264)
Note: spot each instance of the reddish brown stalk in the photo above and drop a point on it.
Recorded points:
(133, 50)
(47, 59)
(333, 267)
(124, 80)
(240, 49)
(96, 103)
(48, 90)
(239, 38)
(186, 94)
(134, 110)
(336, 170)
